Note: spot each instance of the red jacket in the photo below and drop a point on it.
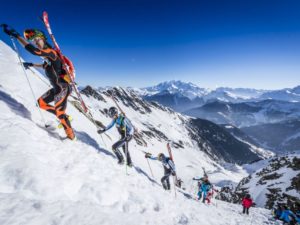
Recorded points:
(247, 202)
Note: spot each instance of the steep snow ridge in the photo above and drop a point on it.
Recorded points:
(274, 182)
(44, 180)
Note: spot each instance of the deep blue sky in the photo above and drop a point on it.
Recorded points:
(245, 43)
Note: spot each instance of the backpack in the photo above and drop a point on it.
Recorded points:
(68, 67)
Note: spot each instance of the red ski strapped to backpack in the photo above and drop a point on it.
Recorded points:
(70, 67)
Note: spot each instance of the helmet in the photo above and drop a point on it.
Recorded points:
(161, 156)
(113, 111)
(30, 34)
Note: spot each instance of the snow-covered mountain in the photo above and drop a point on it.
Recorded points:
(287, 94)
(211, 139)
(192, 91)
(47, 180)
(278, 182)
(281, 137)
(247, 113)
(240, 135)
(188, 90)
(182, 96)
(176, 101)
(233, 95)
(271, 181)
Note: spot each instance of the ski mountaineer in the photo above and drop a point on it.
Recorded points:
(204, 187)
(247, 203)
(287, 216)
(126, 131)
(53, 67)
(169, 168)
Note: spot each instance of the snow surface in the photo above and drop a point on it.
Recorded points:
(45, 180)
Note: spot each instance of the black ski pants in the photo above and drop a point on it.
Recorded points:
(165, 180)
(123, 142)
(245, 210)
(60, 99)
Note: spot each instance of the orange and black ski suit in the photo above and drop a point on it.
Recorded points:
(61, 89)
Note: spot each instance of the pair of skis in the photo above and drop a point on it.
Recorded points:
(171, 157)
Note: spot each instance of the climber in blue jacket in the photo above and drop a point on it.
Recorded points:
(204, 187)
(125, 129)
(169, 168)
(287, 215)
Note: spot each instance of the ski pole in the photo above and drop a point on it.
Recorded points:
(39, 77)
(150, 169)
(33, 95)
(126, 150)
(174, 186)
(93, 120)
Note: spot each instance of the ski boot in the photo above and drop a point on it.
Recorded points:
(70, 134)
(60, 125)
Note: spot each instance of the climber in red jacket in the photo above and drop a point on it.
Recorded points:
(247, 203)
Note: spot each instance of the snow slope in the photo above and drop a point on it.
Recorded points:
(46, 180)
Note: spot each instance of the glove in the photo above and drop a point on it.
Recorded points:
(10, 31)
(45, 64)
(194, 178)
(173, 173)
(101, 131)
(27, 65)
(148, 155)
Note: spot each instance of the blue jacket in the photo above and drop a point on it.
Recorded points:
(167, 163)
(123, 124)
(278, 212)
(298, 216)
(205, 187)
(286, 215)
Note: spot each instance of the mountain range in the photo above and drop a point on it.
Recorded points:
(191, 91)
(264, 116)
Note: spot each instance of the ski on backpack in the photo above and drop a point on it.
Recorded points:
(171, 157)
